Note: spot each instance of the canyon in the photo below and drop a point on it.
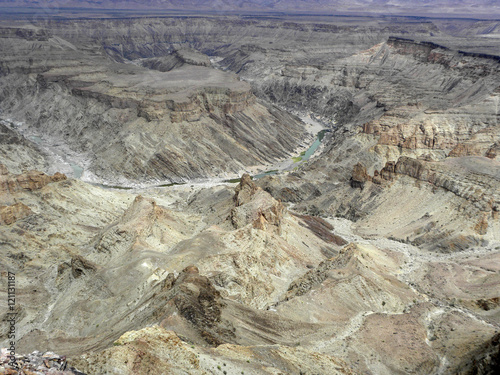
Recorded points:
(141, 243)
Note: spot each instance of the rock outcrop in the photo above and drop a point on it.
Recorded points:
(359, 176)
(322, 229)
(255, 206)
(315, 277)
(27, 181)
(11, 214)
(194, 298)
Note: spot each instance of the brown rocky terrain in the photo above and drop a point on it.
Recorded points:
(377, 255)
(247, 294)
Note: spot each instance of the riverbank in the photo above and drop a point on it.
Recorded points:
(61, 158)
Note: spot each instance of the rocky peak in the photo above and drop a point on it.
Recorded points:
(255, 206)
(195, 299)
(359, 176)
(245, 190)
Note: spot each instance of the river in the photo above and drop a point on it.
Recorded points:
(66, 161)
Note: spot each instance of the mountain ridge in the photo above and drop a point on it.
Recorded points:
(483, 8)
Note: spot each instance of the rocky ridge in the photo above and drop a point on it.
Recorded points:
(151, 117)
(445, 123)
(209, 282)
(31, 180)
(255, 206)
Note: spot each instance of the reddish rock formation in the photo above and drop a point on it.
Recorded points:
(31, 180)
(482, 143)
(322, 229)
(482, 225)
(13, 213)
(387, 173)
(359, 176)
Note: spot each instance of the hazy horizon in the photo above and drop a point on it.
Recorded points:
(426, 8)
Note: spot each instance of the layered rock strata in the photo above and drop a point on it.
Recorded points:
(28, 181)
(130, 123)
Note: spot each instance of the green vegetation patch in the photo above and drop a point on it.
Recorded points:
(233, 180)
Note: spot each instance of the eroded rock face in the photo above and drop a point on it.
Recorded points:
(200, 304)
(315, 277)
(460, 190)
(483, 143)
(176, 59)
(359, 176)
(29, 181)
(11, 214)
(136, 124)
(322, 229)
(151, 350)
(17, 154)
(10, 210)
(255, 206)
(154, 349)
(473, 179)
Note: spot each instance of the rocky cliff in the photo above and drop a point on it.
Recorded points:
(31, 180)
(440, 132)
(468, 185)
(128, 122)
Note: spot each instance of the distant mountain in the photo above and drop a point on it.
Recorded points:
(490, 8)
